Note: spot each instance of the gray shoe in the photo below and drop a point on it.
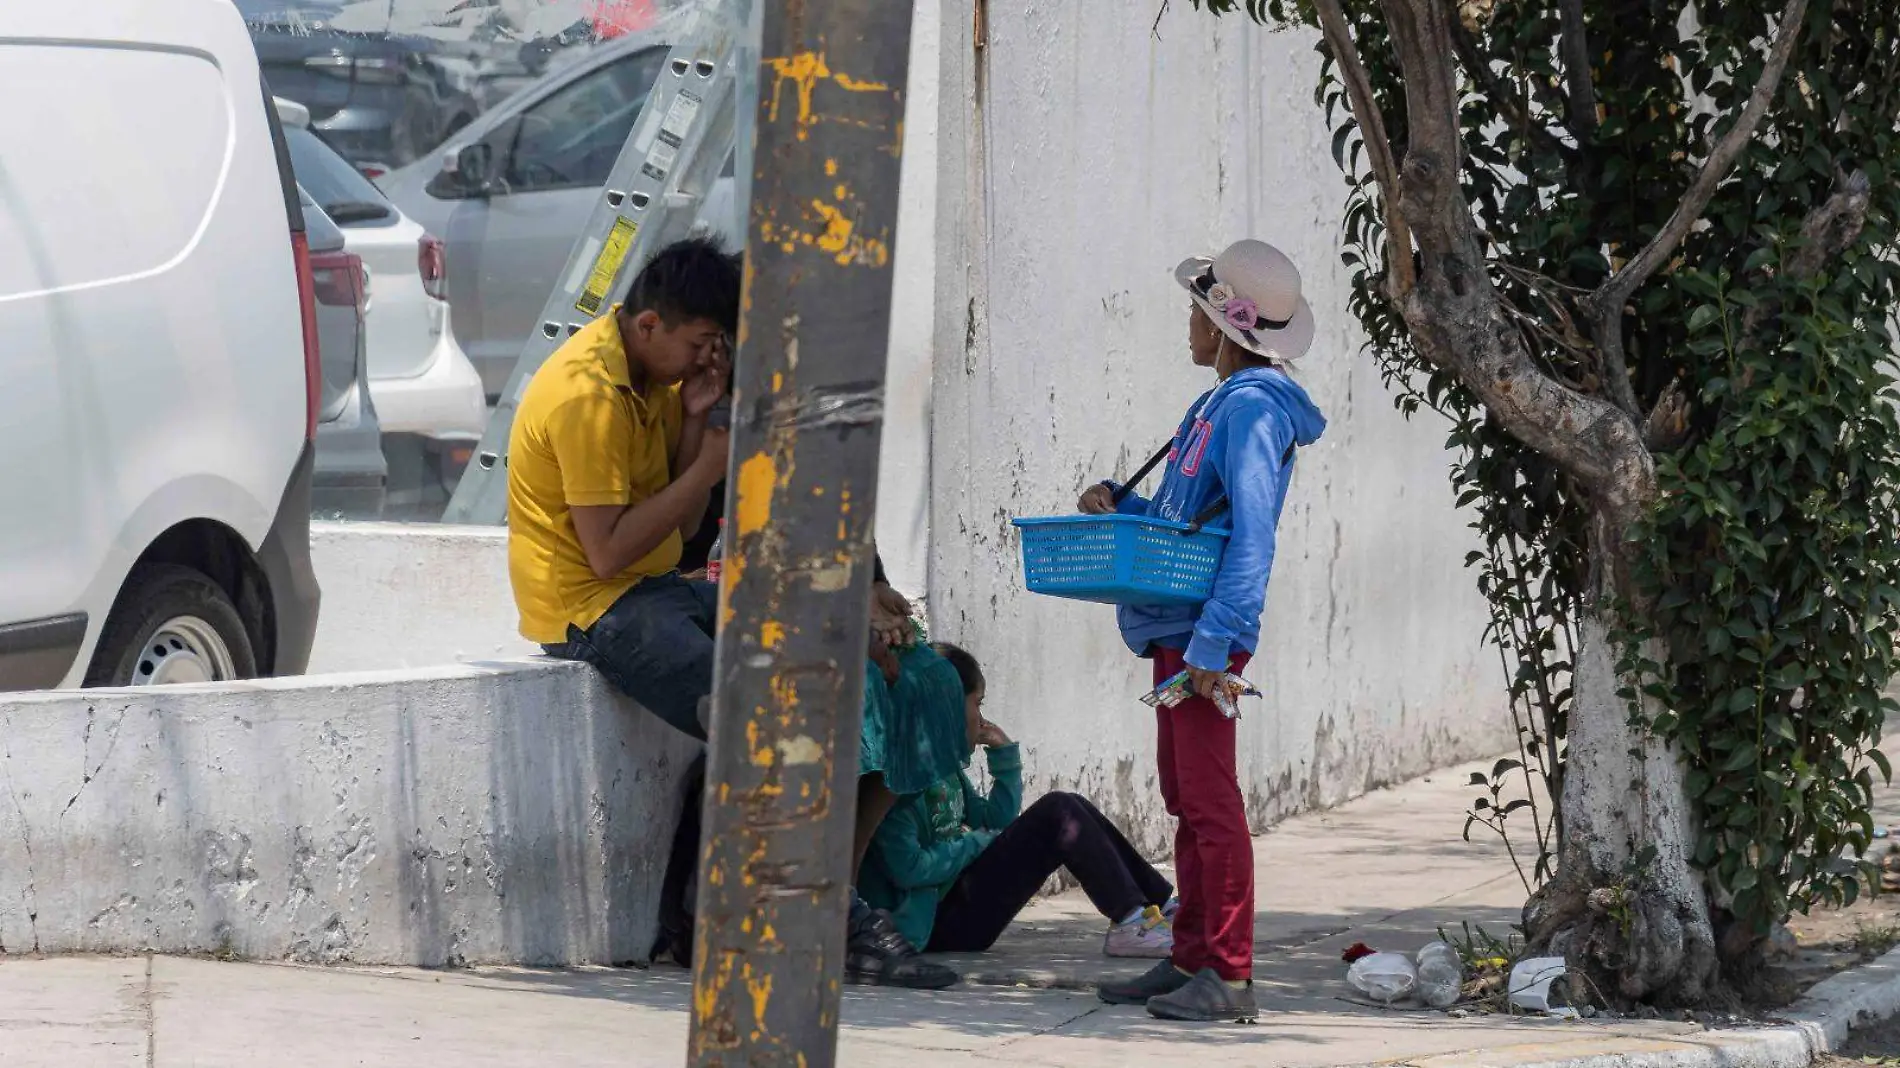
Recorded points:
(1207, 999)
(1163, 978)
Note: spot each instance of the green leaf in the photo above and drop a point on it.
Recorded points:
(1703, 316)
(1340, 138)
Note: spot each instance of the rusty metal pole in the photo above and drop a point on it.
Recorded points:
(781, 784)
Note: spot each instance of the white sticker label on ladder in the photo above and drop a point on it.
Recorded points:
(660, 161)
(679, 118)
(672, 134)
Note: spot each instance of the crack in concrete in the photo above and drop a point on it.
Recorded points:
(32, 894)
(1332, 585)
(85, 776)
(1053, 1028)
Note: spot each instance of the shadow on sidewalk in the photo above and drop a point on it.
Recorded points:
(1042, 979)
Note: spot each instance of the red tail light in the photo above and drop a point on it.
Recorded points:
(337, 279)
(432, 261)
(312, 356)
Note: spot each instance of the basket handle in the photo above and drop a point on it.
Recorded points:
(1207, 514)
(1219, 504)
(1128, 487)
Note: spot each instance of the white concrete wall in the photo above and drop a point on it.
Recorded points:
(903, 486)
(494, 813)
(1081, 159)
(412, 595)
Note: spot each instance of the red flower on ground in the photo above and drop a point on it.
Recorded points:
(1356, 951)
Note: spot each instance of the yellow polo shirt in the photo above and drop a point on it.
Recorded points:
(583, 436)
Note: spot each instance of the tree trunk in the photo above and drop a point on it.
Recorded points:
(1625, 908)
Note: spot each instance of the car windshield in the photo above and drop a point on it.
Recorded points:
(345, 195)
(286, 10)
(294, 16)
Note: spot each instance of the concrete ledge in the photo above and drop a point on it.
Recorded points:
(510, 812)
(412, 595)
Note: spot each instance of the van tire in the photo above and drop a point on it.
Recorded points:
(190, 617)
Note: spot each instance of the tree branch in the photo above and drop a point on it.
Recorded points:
(1581, 98)
(1498, 94)
(1618, 288)
(1455, 316)
(1400, 274)
(1829, 230)
(1605, 306)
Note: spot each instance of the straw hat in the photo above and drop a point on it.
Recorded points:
(1252, 292)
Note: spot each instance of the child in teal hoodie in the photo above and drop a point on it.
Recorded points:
(954, 866)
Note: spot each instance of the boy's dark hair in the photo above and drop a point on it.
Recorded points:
(968, 672)
(687, 280)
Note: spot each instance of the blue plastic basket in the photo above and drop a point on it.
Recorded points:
(1120, 559)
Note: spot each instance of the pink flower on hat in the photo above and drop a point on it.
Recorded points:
(1242, 313)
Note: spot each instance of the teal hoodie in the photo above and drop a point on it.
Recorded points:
(928, 840)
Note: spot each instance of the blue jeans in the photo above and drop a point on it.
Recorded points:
(655, 644)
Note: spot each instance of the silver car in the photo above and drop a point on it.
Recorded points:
(510, 193)
(351, 474)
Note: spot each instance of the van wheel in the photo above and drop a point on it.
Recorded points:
(171, 625)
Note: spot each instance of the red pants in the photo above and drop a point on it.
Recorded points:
(1213, 853)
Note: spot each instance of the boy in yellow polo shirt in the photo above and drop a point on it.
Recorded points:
(610, 465)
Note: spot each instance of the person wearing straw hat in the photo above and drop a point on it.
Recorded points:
(1249, 322)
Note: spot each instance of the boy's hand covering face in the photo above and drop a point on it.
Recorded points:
(709, 381)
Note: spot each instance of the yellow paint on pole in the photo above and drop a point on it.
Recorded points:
(845, 245)
(758, 475)
(762, 755)
(784, 692)
(706, 996)
(761, 991)
(805, 70)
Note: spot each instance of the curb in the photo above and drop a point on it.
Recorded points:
(1816, 1024)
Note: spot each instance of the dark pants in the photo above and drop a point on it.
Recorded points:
(655, 644)
(1058, 831)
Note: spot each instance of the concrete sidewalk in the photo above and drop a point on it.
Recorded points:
(1387, 870)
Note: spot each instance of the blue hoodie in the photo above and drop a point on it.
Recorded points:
(1234, 441)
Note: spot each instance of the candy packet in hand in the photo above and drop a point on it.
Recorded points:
(1181, 687)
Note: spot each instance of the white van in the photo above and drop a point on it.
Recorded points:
(159, 375)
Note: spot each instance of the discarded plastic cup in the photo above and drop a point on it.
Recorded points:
(1384, 977)
(1441, 975)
